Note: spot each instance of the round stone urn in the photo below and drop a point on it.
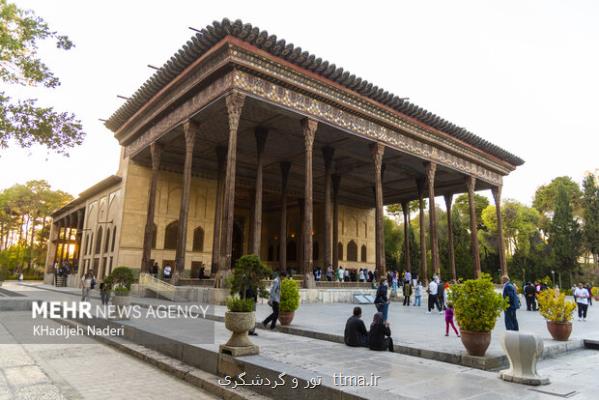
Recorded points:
(122, 305)
(239, 323)
(559, 330)
(476, 343)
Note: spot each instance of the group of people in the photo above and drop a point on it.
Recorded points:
(582, 294)
(378, 338)
(344, 274)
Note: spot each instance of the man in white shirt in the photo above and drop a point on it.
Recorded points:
(432, 295)
(581, 294)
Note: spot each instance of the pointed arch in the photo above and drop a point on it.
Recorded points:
(198, 239)
(340, 250)
(352, 251)
(363, 253)
(99, 234)
(171, 234)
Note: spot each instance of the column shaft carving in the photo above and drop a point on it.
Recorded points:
(496, 190)
(431, 169)
(285, 167)
(336, 180)
(327, 153)
(405, 207)
(309, 129)
(423, 264)
(448, 201)
(155, 152)
(377, 151)
(221, 157)
(261, 135)
(471, 183)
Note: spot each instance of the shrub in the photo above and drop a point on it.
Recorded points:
(290, 297)
(595, 291)
(554, 307)
(120, 280)
(249, 272)
(237, 304)
(477, 305)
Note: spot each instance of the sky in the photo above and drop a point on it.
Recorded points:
(521, 74)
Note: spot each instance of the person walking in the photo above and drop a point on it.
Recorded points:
(418, 294)
(379, 337)
(274, 301)
(432, 295)
(449, 319)
(86, 285)
(407, 292)
(340, 274)
(509, 292)
(581, 294)
(104, 293)
(381, 300)
(530, 294)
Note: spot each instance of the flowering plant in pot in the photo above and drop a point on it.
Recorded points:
(290, 300)
(558, 312)
(477, 307)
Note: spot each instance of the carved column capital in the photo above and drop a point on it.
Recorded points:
(190, 129)
(471, 183)
(309, 127)
(448, 200)
(377, 150)
(156, 152)
(496, 190)
(431, 170)
(234, 102)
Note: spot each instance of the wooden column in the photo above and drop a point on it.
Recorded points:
(500, 240)
(327, 154)
(423, 263)
(190, 130)
(405, 207)
(285, 167)
(431, 169)
(336, 180)
(309, 129)
(155, 152)
(221, 154)
(448, 201)
(234, 102)
(57, 241)
(256, 234)
(471, 183)
(300, 235)
(377, 150)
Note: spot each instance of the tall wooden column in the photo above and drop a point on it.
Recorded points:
(221, 154)
(377, 150)
(336, 180)
(190, 130)
(300, 235)
(234, 102)
(261, 135)
(500, 240)
(471, 183)
(327, 154)
(155, 152)
(431, 169)
(285, 167)
(423, 263)
(448, 201)
(309, 128)
(405, 207)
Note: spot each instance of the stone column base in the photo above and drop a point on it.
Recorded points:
(239, 351)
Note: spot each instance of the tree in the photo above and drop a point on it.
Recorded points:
(590, 212)
(23, 121)
(546, 196)
(463, 206)
(393, 243)
(564, 234)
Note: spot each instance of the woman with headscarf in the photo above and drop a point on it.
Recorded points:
(379, 337)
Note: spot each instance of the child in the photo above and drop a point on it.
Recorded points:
(418, 294)
(449, 319)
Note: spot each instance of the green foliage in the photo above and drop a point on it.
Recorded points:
(3, 273)
(595, 291)
(554, 307)
(477, 305)
(290, 296)
(590, 212)
(463, 206)
(249, 272)
(520, 223)
(545, 199)
(120, 280)
(23, 121)
(393, 243)
(237, 304)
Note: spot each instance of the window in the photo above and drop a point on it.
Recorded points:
(170, 235)
(340, 250)
(198, 239)
(98, 240)
(352, 251)
(107, 241)
(363, 253)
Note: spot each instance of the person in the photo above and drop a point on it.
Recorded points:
(340, 274)
(589, 289)
(346, 275)
(408, 277)
(20, 278)
(86, 285)
(432, 295)
(407, 292)
(104, 293)
(370, 276)
(155, 270)
(356, 334)
(392, 277)
(379, 337)
(361, 275)
(166, 272)
(381, 300)
(530, 294)
(449, 319)
(274, 300)
(440, 295)
(330, 273)
(581, 294)
(418, 294)
(509, 292)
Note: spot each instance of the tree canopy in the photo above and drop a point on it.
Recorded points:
(546, 195)
(22, 121)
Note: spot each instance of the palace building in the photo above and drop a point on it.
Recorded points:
(243, 143)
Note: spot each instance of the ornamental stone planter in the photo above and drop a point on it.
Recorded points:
(239, 344)
(476, 343)
(285, 317)
(122, 306)
(559, 330)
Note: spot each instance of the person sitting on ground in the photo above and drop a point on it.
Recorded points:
(356, 334)
(379, 337)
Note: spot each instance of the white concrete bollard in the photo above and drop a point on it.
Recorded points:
(523, 350)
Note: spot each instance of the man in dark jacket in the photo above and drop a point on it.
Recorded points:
(530, 294)
(509, 292)
(356, 334)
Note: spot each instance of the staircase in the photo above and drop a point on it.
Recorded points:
(154, 287)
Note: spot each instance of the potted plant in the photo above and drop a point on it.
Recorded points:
(595, 293)
(246, 283)
(290, 300)
(119, 282)
(477, 307)
(558, 313)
